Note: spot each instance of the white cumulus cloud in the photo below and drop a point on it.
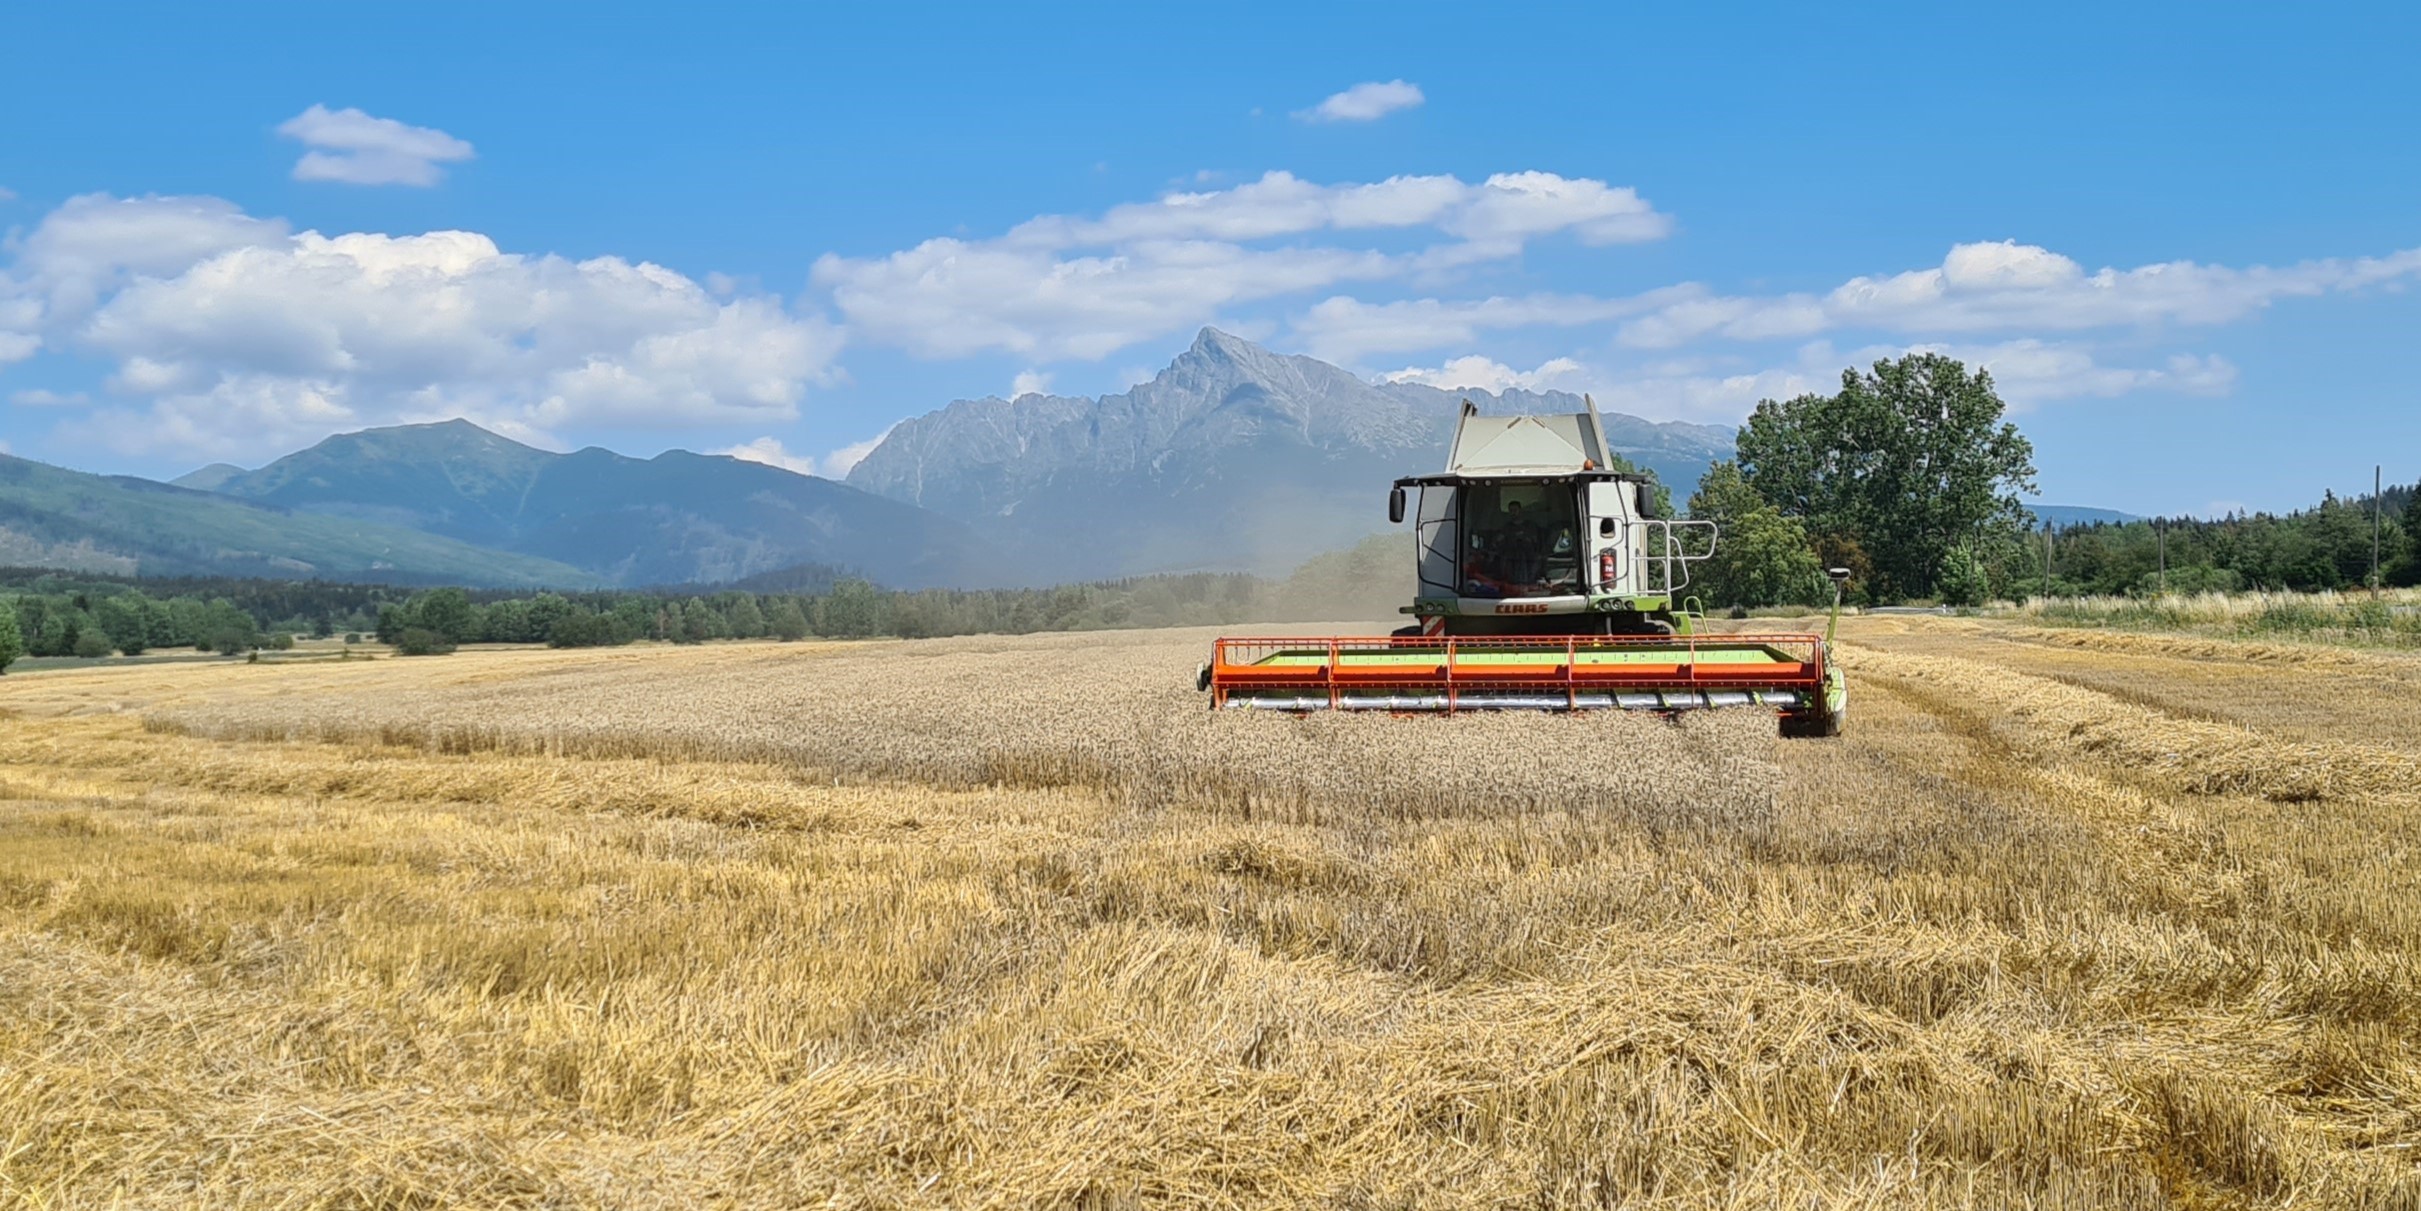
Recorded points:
(2004, 286)
(834, 465)
(771, 452)
(1365, 102)
(95, 244)
(2031, 371)
(228, 335)
(951, 298)
(1675, 393)
(1345, 329)
(1486, 374)
(2048, 328)
(838, 463)
(2027, 372)
(43, 397)
(355, 148)
(1074, 286)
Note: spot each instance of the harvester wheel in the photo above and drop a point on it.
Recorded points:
(1202, 679)
(1411, 632)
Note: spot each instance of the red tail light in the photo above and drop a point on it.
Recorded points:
(1605, 568)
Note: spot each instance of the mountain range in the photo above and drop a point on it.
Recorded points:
(53, 517)
(677, 518)
(2060, 517)
(1232, 458)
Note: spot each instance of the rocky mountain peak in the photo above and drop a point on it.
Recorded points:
(1233, 456)
(1210, 342)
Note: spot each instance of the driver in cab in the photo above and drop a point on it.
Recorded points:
(1507, 555)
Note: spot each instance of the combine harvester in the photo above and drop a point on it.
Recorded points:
(1546, 583)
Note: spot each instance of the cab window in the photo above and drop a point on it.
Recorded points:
(1520, 540)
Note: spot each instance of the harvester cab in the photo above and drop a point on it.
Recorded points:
(1544, 580)
(1530, 532)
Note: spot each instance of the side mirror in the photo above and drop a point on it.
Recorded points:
(1395, 505)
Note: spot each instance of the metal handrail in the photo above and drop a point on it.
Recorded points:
(1669, 557)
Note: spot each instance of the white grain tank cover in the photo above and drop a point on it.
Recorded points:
(1525, 445)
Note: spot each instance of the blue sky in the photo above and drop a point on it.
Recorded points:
(235, 230)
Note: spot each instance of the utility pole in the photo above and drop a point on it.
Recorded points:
(2046, 561)
(2160, 530)
(2375, 502)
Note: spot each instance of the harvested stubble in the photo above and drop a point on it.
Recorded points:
(1969, 960)
(1113, 712)
(2279, 691)
(2207, 757)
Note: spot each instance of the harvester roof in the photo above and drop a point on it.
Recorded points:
(1528, 446)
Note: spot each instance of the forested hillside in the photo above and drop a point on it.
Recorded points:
(677, 518)
(58, 614)
(113, 523)
(2327, 546)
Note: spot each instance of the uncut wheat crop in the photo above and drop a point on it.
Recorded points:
(1117, 712)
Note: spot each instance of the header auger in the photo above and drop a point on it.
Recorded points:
(1545, 581)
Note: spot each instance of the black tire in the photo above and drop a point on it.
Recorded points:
(1410, 632)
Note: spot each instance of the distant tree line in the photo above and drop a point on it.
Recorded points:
(61, 614)
(1909, 477)
(2324, 547)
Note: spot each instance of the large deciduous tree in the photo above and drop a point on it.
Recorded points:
(124, 619)
(786, 621)
(1761, 557)
(1908, 461)
(445, 611)
(855, 608)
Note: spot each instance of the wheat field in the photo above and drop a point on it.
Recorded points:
(2068, 919)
